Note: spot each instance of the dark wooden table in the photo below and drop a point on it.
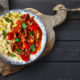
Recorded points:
(63, 63)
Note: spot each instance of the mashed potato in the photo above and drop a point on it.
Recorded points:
(6, 26)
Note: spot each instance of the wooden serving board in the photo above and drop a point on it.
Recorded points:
(50, 21)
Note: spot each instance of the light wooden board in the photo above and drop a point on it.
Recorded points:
(50, 22)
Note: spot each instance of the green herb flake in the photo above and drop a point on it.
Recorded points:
(24, 25)
(18, 50)
(32, 48)
(7, 20)
(4, 33)
(12, 55)
(17, 39)
(31, 33)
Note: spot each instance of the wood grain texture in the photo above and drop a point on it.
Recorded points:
(49, 22)
(64, 51)
(45, 6)
(69, 30)
(61, 64)
(48, 71)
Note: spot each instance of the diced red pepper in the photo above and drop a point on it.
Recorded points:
(25, 58)
(34, 27)
(33, 52)
(19, 22)
(10, 36)
(25, 45)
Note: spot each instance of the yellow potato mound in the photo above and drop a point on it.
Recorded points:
(6, 26)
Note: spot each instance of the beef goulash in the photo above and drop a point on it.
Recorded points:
(20, 36)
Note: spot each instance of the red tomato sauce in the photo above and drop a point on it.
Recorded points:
(27, 36)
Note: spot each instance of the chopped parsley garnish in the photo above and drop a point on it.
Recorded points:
(32, 48)
(17, 39)
(18, 50)
(31, 33)
(4, 33)
(12, 55)
(7, 20)
(24, 25)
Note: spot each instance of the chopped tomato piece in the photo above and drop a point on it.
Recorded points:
(34, 27)
(25, 58)
(19, 22)
(33, 52)
(10, 36)
(25, 45)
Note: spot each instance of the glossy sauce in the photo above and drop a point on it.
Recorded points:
(27, 37)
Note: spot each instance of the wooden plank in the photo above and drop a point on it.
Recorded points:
(69, 30)
(45, 6)
(48, 71)
(47, 68)
(64, 51)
